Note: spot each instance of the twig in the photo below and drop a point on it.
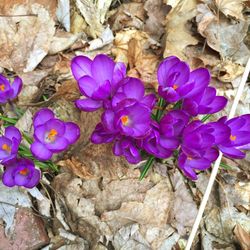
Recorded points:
(217, 163)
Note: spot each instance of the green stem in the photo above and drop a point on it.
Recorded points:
(147, 167)
(159, 111)
(225, 166)
(206, 117)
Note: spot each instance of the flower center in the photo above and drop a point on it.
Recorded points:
(6, 148)
(24, 171)
(52, 135)
(125, 120)
(175, 86)
(2, 87)
(232, 137)
(189, 158)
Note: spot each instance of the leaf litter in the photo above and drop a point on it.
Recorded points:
(99, 201)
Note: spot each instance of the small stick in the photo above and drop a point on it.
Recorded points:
(217, 163)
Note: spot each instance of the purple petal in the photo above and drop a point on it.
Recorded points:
(16, 86)
(101, 136)
(117, 149)
(42, 116)
(103, 92)
(39, 133)
(102, 68)
(88, 105)
(134, 88)
(81, 66)
(34, 180)
(169, 143)
(72, 132)
(232, 152)
(211, 154)
(58, 145)
(40, 151)
(149, 100)
(87, 85)
(7, 177)
(169, 94)
(190, 107)
(108, 120)
(201, 78)
(13, 132)
(208, 96)
(56, 124)
(185, 89)
(164, 68)
(118, 75)
(4, 153)
(215, 106)
(20, 180)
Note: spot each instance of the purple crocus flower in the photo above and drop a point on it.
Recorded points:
(51, 135)
(130, 118)
(9, 91)
(102, 135)
(21, 172)
(206, 103)
(176, 82)
(189, 164)
(9, 144)
(133, 88)
(173, 123)
(198, 137)
(157, 144)
(98, 80)
(127, 147)
(238, 138)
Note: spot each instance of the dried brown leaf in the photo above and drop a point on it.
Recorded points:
(243, 237)
(19, 52)
(220, 35)
(178, 34)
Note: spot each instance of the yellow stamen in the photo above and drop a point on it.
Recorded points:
(175, 86)
(52, 135)
(125, 120)
(7, 148)
(2, 87)
(24, 171)
(232, 137)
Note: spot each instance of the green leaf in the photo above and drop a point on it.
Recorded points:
(225, 166)
(27, 138)
(159, 111)
(147, 167)
(12, 121)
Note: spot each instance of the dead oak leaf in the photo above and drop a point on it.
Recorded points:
(178, 35)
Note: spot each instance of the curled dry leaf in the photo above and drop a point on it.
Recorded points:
(77, 168)
(156, 12)
(19, 52)
(94, 13)
(220, 34)
(142, 64)
(178, 34)
(242, 237)
(128, 15)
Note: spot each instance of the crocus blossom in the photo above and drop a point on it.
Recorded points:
(52, 135)
(21, 172)
(98, 80)
(177, 82)
(238, 137)
(9, 144)
(9, 91)
(204, 103)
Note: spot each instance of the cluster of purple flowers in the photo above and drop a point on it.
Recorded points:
(51, 135)
(129, 120)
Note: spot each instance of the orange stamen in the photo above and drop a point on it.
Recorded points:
(24, 171)
(7, 148)
(232, 137)
(175, 86)
(189, 158)
(125, 120)
(52, 134)
(2, 87)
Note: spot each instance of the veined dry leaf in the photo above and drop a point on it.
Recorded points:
(128, 15)
(178, 36)
(78, 168)
(142, 64)
(231, 8)
(243, 237)
(19, 51)
(156, 12)
(94, 13)
(220, 35)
